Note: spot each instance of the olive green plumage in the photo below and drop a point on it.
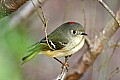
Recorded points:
(64, 40)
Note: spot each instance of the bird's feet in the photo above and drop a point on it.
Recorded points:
(65, 65)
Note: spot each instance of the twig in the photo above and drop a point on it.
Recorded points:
(67, 10)
(61, 76)
(44, 21)
(112, 45)
(109, 10)
(114, 48)
(84, 15)
(113, 73)
(93, 9)
(45, 25)
(64, 70)
(108, 60)
(37, 12)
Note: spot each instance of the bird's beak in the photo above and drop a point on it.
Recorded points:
(84, 34)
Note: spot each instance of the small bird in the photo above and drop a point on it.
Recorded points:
(64, 41)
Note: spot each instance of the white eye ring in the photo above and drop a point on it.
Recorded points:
(74, 32)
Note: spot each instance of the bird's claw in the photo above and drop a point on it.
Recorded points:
(65, 65)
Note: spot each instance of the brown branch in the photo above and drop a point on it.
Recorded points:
(109, 10)
(9, 6)
(95, 48)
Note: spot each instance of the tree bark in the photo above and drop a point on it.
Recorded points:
(9, 6)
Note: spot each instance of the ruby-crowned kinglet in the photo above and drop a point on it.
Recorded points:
(63, 41)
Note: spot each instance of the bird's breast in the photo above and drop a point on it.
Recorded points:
(75, 44)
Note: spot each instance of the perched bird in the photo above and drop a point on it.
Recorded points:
(65, 40)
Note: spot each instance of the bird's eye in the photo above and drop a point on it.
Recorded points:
(74, 32)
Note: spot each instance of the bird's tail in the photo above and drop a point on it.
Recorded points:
(29, 57)
(33, 52)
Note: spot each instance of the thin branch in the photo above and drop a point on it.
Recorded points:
(67, 10)
(61, 76)
(113, 73)
(108, 60)
(115, 47)
(109, 10)
(38, 13)
(44, 21)
(93, 9)
(24, 13)
(84, 15)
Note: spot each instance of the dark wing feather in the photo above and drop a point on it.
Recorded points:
(56, 40)
(56, 43)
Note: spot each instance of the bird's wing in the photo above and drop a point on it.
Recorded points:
(54, 43)
(36, 48)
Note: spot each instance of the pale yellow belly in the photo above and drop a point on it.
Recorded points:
(70, 49)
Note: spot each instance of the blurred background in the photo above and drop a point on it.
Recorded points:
(15, 40)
